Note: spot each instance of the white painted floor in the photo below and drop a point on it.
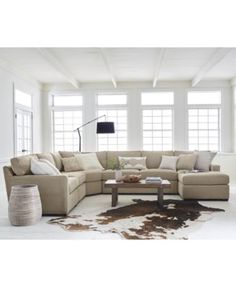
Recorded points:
(221, 226)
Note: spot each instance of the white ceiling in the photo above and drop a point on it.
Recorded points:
(82, 65)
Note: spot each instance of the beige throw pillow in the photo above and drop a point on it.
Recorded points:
(89, 161)
(71, 164)
(132, 162)
(168, 162)
(186, 161)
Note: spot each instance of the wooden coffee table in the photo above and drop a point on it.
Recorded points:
(111, 183)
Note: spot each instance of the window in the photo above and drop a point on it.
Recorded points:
(115, 110)
(204, 98)
(157, 118)
(157, 98)
(104, 100)
(204, 120)
(23, 99)
(67, 116)
(23, 123)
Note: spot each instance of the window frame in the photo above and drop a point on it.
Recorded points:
(207, 107)
(113, 107)
(65, 109)
(158, 107)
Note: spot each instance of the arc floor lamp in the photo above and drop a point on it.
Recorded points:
(102, 128)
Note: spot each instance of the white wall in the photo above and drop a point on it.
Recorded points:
(7, 79)
(133, 90)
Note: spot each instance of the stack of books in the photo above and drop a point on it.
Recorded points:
(153, 179)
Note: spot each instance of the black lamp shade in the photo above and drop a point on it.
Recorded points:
(105, 128)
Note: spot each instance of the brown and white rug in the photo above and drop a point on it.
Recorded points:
(142, 219)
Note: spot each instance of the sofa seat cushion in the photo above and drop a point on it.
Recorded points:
(204, 178)
(73, 182)
(163, 173)
(93, 175)
(78, 175)
(110, 174)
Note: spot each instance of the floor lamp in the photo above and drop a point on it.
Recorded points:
(102, 128)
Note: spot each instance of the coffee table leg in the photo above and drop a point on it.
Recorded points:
(114, 197)
(160, 196)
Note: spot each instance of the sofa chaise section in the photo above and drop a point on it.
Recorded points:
(204, 185)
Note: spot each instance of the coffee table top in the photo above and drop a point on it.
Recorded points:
(112, 183)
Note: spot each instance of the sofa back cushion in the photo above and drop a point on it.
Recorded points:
(154, 157)
(113, 157)
(101, 155)
(58, 160)
(64, 154)
(21, 165)
(46, 156)
(180, 152)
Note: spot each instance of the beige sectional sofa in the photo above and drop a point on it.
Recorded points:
(61, 193)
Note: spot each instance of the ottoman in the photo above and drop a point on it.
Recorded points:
(204, 185)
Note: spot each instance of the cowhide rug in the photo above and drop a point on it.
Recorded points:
(142, 220)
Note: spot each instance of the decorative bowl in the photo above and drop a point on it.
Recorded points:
(131, 178)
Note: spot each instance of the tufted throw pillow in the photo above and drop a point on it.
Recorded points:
(132, 162)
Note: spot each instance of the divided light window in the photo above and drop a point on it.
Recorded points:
(204, 109)
(157, 115)
(67, 116)
(23, 123)
(115, 109)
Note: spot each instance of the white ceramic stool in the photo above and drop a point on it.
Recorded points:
(25, 206)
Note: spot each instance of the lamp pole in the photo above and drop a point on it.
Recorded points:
(78, 129)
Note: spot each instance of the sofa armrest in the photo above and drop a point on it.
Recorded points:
(53, 191)
(215, 167)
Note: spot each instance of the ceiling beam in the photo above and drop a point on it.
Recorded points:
(107, 62)
(159, 61)
(48, 55)
(19, 72)
(216, 57)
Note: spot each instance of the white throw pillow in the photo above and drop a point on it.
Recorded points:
(132, 162)
(89, 161)
(168, 162)
(43, 167)
(204, 159)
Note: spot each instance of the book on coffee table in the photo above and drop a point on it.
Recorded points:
(153, 179)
